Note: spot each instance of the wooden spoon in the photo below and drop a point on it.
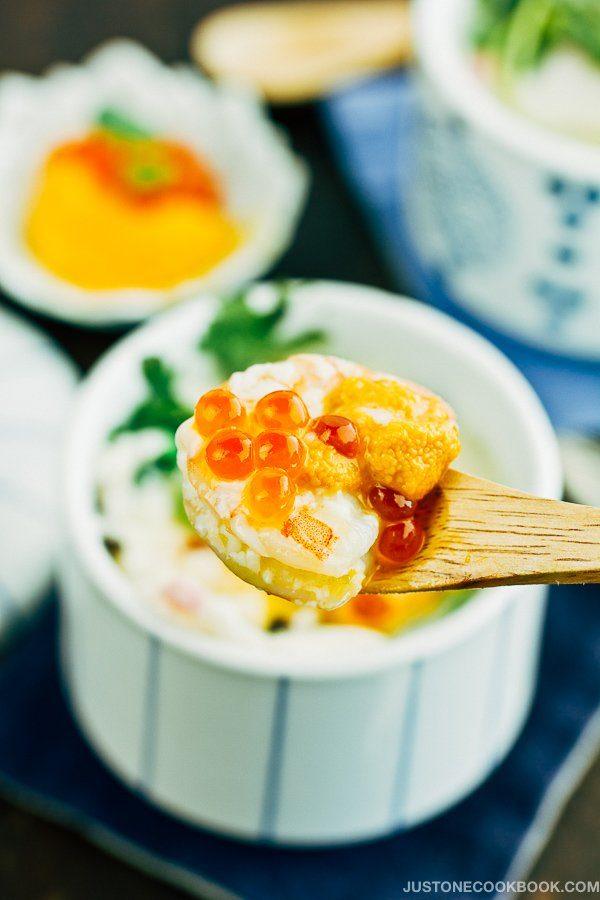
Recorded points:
(298, 50)
(482, 534)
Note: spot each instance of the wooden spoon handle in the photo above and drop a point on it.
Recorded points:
(483, 534)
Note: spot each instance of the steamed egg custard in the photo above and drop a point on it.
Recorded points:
(306, 476)
(121, 208)
(173, 572)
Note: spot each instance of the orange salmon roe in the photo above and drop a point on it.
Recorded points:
(370, 606)
(340, 433)
(389, 504)
(281, 410)
(218, 409)
(279, 450)
(229, 454)
(400, 542)
(270, 495)
(144, 169)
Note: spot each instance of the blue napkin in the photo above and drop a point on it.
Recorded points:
(495, 834)
(370, 131)
(45, 764)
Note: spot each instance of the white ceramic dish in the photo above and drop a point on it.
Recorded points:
(37, 388)
(506, 212)
(293, 751)
(264, 183)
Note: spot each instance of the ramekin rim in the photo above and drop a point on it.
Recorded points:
(422, 642)
(436, 26)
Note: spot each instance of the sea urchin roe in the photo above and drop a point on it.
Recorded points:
(278, 449)
(339, 432)
(409, 435)
(281, 410)
(269, 495)
(218, 409)
(400, 542)
(389, 504)
(326, 469)
(229, 454)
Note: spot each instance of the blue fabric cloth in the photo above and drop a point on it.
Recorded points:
(369, 127)
(49, 765)
(45, 763)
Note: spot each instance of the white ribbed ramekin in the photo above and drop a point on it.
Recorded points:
(504, 213)
(307, 752)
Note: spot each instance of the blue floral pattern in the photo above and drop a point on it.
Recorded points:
(560, 296)
(470, 213)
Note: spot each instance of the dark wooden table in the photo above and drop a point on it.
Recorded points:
(44, 861)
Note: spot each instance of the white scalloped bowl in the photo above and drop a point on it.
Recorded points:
(295, 749)
(264, 183)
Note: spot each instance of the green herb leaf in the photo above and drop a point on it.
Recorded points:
(159, 377)
(146, 176)
(523, 32)
(119, 124)
(526, 35)
(576, 22)
(162, 465)
(237, 337)
(240, 336)
(491, 19)
(159, 409)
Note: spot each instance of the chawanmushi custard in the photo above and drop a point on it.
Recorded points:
(305, 476)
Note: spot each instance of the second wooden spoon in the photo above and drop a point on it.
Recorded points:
(297, 50)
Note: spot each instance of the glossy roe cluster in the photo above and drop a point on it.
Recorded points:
(271, 449)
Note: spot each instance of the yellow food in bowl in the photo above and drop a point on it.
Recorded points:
(114, 211)
(389, 614)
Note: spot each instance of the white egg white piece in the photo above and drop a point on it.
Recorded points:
(263, 182)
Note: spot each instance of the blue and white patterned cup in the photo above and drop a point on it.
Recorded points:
(299, 750)
(504, 212)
